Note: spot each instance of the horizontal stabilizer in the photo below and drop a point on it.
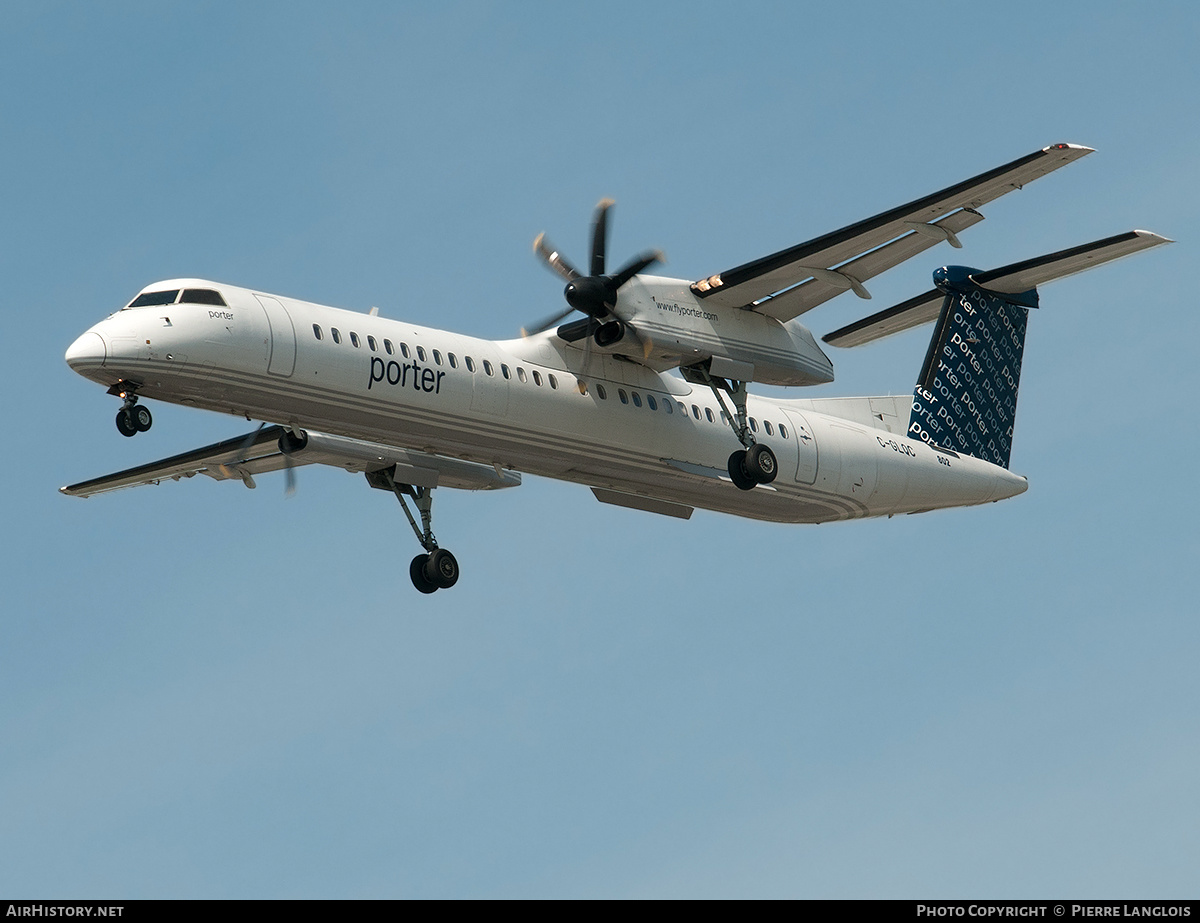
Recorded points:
(1007, 280)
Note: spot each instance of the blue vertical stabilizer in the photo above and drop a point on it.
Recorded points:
(966, 396)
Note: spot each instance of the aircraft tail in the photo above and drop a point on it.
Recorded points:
(966, 396)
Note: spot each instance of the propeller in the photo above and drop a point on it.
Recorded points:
(292, 440)
(594, 294)
(231, 470)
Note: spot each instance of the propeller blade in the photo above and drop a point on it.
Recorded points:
(554, 259)
(600, 236)
(289, 472)
(639, 263)
(547, 323)
(587, 355)
(230, 470)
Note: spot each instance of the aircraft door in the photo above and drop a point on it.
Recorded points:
(283, 337)
(806, 443)
(489, 386)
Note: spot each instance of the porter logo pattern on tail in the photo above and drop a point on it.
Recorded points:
(966, 397)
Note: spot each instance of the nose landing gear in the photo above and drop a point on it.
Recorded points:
(131, 419)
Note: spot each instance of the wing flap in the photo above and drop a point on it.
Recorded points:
(808, 295)
(751, 282)
(258, 453)
(248, 452)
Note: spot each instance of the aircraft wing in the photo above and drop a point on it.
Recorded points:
(1010, 280)
(788, 283)
(258, 452)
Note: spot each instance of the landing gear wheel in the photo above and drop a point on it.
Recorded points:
(441, 569)
(416, 570)
(742, 479)
(142, 418)
(126, 424)
(761, 464)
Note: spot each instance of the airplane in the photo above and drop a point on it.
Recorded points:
(644, 398)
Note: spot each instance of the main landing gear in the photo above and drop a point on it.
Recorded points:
(131, 419)
(755, 463)
(437, 569)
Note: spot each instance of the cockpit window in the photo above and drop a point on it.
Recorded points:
(202, 296)
(151, 298)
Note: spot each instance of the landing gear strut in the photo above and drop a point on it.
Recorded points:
(437, 569)
(131, 419)
(755, 463)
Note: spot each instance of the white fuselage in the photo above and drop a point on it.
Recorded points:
(517, 405)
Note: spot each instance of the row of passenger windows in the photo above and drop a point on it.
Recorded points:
(670, 406)
(650, 401)
(449, 359)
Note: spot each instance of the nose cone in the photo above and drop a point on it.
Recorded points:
(86, 353)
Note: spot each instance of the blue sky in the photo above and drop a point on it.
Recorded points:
(213, 692)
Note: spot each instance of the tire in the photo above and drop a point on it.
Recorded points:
(416, 571)
(142, 418)
(761, 463)
(125, 423)
(441, 569)
(741, 478)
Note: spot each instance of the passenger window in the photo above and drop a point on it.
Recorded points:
(553, 380)
(470, 363)
(404, 350)
(667, 406)
(768, 428)
(600, 391)
(521, 375)
(651, 402)
(622, 395)
(437, 358)
(695, 411)
(317, 331)
(387, 345)
(724, 419)
(453, 360)
(421, 353)
(504, 371)
(637, 399)
(371, 343)
(783, 431)
(753, 425)
(337, 337)
(537, 378)
(354, 339)
(708, 415)
(487, 367)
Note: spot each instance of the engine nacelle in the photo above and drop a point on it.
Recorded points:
(667, 326)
